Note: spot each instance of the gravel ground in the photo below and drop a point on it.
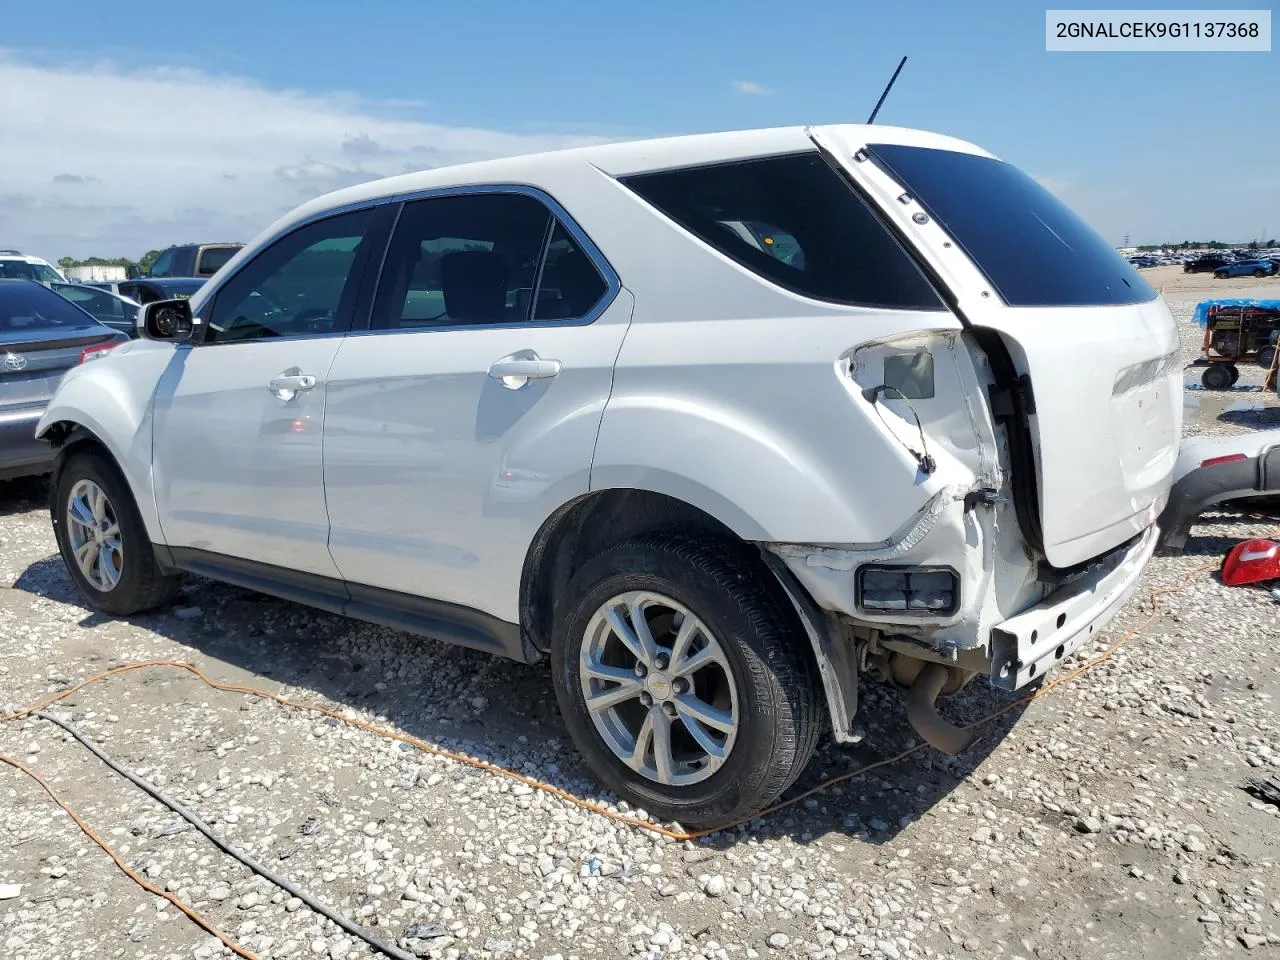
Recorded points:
(1105, 820)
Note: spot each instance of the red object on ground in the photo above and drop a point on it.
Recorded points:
(1251, 562)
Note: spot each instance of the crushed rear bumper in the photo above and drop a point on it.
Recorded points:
(1025, 646)
(1204, 487)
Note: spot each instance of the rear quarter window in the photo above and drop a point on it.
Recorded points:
(1032, 248)
(796, 222)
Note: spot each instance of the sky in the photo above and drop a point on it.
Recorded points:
(204, 122)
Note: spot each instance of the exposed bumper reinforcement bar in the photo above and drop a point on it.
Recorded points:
(1025, 646)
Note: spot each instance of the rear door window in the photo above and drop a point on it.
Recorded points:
(795, 221)
(462, 260)
(1032, 248)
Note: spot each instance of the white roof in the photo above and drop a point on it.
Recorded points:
(622, 159)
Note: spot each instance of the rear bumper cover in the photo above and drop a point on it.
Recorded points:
(1025, 646)
(20, 451)
(1202, 488)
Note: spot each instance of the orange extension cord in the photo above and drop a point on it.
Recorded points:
(1156, 611)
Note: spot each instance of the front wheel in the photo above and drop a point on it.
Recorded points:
(1219, 275)
(685, 680)
(1266, 356)
(102, 538)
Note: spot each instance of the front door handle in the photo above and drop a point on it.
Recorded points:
(516, 370)
(290, 383)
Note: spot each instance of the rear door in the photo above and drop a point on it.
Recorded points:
(468, 412)
(1097, 346)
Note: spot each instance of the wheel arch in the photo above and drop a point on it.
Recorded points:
(589, 524)
(67, 432)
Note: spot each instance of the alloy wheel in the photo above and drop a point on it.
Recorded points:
(94, 533)
(659, 688)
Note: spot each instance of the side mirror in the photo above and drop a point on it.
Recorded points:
(167, 320)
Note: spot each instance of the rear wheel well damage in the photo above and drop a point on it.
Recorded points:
(585, 527)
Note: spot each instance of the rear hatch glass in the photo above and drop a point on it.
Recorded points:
(1032, 248)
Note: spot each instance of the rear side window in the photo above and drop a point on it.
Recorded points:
(214, 259)
(796, 222)
(1032, 248)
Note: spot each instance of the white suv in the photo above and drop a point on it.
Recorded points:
(16, 265)
(718, 424)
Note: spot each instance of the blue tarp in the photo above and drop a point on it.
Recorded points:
(1202, 308)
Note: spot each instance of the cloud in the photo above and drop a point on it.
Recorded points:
(363, 146)
(751, 87)
(243, 154)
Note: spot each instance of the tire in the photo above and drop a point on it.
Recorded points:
(1266, 355)
(139, 582)
(764, 677)
(1217, 376)
(1235, 374)
(1219, 275)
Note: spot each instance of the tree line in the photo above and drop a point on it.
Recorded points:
(1209, 245)
(143, 263)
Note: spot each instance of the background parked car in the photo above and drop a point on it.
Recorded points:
(42, 335)
(151, 289)
(1245, 268)
(1204, 264)
(193, 260)
(115, 311)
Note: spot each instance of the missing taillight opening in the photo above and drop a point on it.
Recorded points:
(916, 590)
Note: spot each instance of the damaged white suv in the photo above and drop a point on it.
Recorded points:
(720, 425)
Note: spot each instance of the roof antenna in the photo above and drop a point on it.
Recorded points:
(872, 119)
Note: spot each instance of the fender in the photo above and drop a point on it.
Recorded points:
(761, 484)
(111, 400)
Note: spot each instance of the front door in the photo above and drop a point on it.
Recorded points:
(238, 416)
(469, 411)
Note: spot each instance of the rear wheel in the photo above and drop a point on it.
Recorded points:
(1235, 374)
(1217, 376)
(1220, 274)
(1266, 356)
(1260, 272)
(102, 538)
(685, 680)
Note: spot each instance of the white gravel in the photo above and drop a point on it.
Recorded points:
(1106, 820)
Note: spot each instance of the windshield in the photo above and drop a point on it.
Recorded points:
(29, 307)
(1033, 249)
(16, 270)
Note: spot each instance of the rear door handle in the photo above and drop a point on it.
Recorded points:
(290, 383)
(516, 370)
